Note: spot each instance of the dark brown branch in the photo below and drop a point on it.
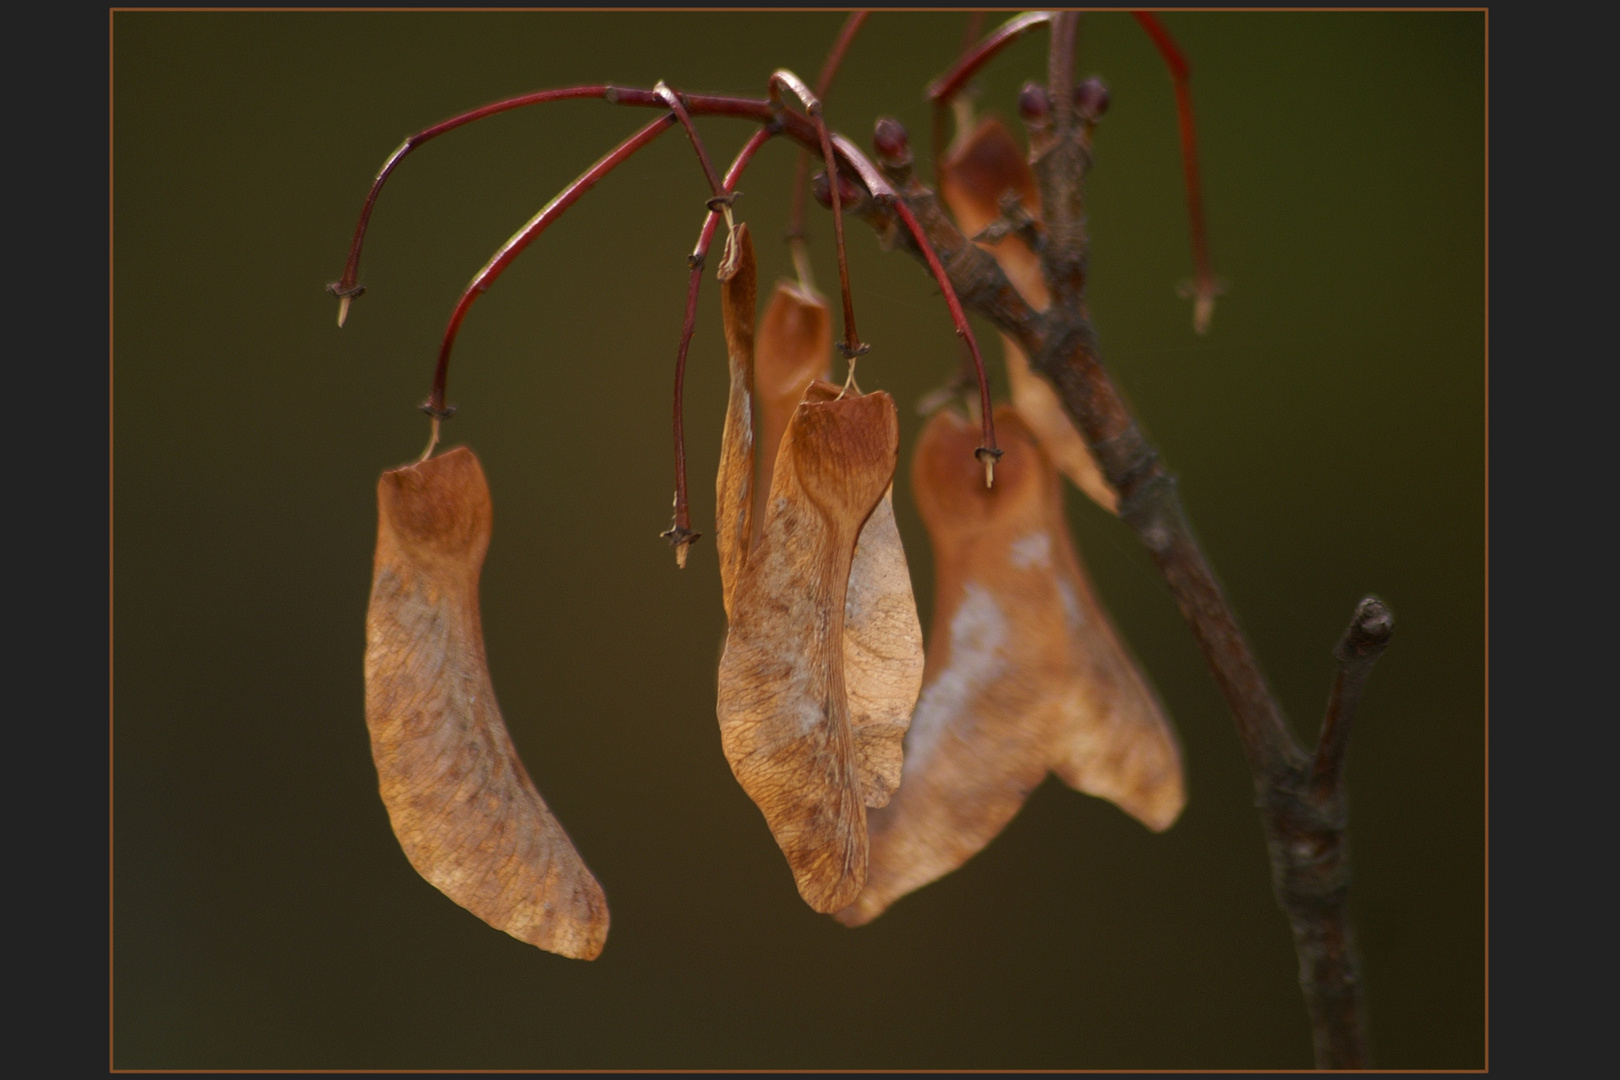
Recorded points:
(1304, 818)
(1363, 643)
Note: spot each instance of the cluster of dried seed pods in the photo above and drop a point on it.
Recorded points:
(820, 677)
(876, 772)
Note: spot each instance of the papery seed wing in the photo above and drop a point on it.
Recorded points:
(783, 709)
(1013, 681)
(883, 652)
(975, 175)
(794, 349)
(734, 486)
(883, 643)
(461, 803)
(1114, 740)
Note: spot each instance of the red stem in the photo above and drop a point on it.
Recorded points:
(959, 317)
(683, 520)
(526, 235)
(942, 89)
(673, 100)
(948, 85)
(1176, 61)
(345, 286)
(796, 127)
(829, 69)
(852, 346)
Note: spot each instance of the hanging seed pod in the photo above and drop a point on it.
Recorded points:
(980, 172)
(823, 658)
(1025, 674)
(784, 709)
(883, 642)
(460, 801)
(734, 485)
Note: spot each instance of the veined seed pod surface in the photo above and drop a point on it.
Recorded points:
(461, 803)
(1024, 675)
(823, 658)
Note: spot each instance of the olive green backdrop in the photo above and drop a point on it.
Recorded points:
(1329, 433)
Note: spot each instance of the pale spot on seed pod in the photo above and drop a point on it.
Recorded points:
(1072, 609)
(978, 636)
(1032, 552)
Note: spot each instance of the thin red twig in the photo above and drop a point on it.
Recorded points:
(673, 100)
(346, 287)
(796, 127)
(829, 69)
(975, 26)
(681, 532)
(1204, 288)
(988, 453)
(947, 86)
(942, 89)
(852, 346)
(525, 236)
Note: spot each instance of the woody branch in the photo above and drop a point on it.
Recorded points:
(1300, 797)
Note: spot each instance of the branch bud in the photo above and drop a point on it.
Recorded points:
(892, 143)
(848, 192)
(1091, 98)
(1033, 104)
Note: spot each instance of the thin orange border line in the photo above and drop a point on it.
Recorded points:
(110, 528)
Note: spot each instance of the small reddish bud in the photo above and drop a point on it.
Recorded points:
(848, 191)
(1091, 98)
(891, 142)
(1033, 104)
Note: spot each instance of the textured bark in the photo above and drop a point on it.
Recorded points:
(1025, 673)
(460, 801)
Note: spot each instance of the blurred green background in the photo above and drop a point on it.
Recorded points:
(1329, 434)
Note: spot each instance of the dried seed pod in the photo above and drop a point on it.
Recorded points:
(734, 485)
(1025, 674)
(883, 646)
(869, 682)
(883, 642)
(979, 172)
(795, 347)
(784, 705)
(460, 801)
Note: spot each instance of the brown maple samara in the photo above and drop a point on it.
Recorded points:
(460, 801)
(1025, 674)
(823, 656)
